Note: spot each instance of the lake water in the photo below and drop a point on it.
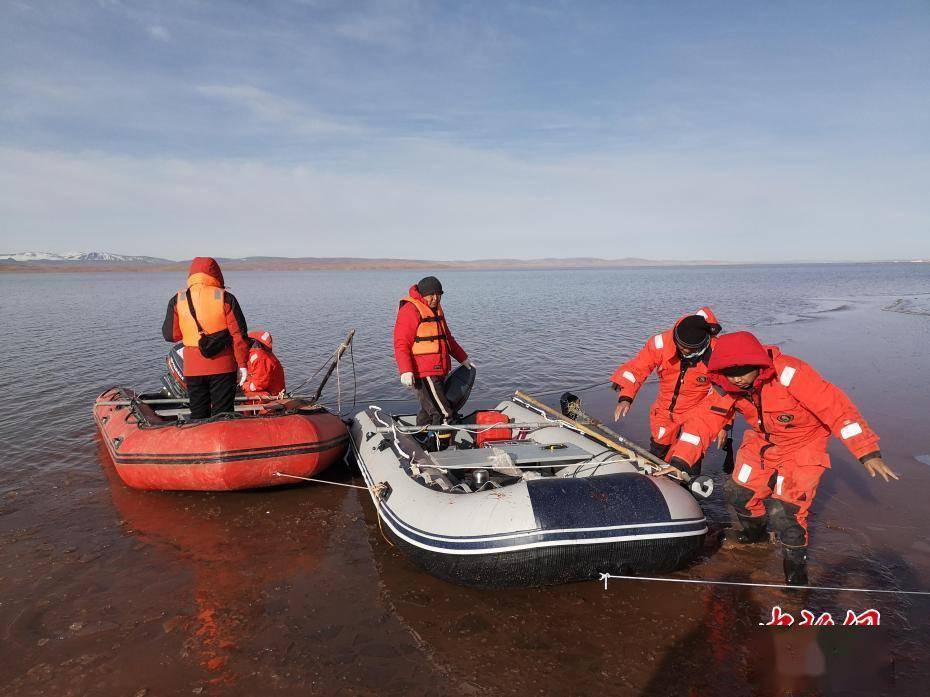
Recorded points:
(106, 590)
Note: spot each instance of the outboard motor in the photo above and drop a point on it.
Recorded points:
(458, 386)
(173, 380)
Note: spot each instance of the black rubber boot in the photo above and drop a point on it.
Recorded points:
(752, 530)
(795, 562)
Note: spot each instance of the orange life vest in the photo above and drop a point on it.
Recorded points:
(209, 303)
(431, 332)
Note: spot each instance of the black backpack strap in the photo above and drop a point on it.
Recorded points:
(190, 306)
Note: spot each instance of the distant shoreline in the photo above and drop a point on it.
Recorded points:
(282, 264)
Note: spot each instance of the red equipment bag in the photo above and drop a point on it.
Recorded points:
(486, 418)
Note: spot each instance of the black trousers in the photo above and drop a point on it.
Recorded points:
(211, 394)
(434, 407)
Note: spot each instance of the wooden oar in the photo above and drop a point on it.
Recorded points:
(581, 427)
(702, 486)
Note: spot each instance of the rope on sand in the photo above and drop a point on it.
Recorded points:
(318, 481)
(376, 490)
(606, 577)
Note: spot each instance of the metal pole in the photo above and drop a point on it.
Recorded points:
(332, 366)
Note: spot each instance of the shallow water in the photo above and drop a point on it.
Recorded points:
(105, 590)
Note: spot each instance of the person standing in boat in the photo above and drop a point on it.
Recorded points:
(792, 412)
(679, 356)
(265, 372)
(423, 346)
(207, 318)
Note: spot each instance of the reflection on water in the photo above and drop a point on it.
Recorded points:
(106, 590)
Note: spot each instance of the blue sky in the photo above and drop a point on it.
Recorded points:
(702, 130)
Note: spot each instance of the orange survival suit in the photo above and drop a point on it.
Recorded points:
(683, 383)
(266, 374)
(792, 412)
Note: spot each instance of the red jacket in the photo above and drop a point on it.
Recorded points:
(266, 374)
(682, 384)
(790, 408)
(204, 271)
(405, 331)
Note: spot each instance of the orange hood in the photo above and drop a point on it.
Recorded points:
(205, 271)
(262, 337)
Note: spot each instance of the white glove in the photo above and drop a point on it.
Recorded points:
(242, 375)
(468, 364)
(406, 379)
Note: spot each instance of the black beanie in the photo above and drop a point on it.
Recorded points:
(693, 332)
(429, 285)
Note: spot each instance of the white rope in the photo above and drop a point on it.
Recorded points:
(397, 443)
(606, 577)
(319, 481)
(393, 426)
(377, 414)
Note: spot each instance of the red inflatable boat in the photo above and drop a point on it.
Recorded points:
(153, 449)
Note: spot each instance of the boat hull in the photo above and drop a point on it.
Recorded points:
(220, 454)
(538, 531)
(551, 565)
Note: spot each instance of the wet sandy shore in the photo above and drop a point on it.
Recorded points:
(109, 591)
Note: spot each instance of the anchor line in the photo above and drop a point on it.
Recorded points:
(605, 577)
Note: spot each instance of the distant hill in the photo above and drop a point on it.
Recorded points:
(105, 261)
(80, 257)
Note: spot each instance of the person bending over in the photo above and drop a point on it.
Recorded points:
(792, 412)
(679, 357)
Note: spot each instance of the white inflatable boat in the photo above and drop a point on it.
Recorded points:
(528, 502)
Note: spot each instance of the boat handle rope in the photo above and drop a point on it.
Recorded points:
(376, 490)
(605, 577)
(393, 426)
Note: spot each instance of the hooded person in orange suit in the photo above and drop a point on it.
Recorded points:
(265, 372)
(208, 320)
(792, 412)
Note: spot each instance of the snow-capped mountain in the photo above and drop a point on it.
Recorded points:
(80, 256)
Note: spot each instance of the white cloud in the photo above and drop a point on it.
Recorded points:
(421, 199)
(278, 111)
(159, 33)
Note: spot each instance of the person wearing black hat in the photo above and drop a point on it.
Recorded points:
(423, 349)
(679, 357)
